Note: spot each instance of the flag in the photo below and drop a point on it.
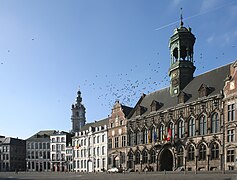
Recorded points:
(149, 136)
(155, 136)
(169, 135)
(164, 138)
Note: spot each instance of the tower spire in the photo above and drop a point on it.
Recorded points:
(181, 18)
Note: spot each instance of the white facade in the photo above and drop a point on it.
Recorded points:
(90, 147)
(58, 143)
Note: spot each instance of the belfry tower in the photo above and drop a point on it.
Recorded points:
(182, 65)
(78, 114)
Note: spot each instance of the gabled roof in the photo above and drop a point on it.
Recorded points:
(95, 124)
(126, 110)
(42, 134)
(213, 79)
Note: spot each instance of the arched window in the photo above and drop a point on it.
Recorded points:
(145, 136)
(203, 125)
(144, 157)
(130, 159)
(202, 152)
(138, 137)
(191, 153)
(181, 129)
(215, 123)
(215, 151)
(191, 127)
(161, 132)
(153, 156)
(137, 158)
(180, 156)
(171, 127)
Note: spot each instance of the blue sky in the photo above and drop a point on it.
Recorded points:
(111, 49)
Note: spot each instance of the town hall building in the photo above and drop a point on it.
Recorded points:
(182, 126)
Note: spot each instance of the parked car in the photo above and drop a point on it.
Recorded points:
(113, 170)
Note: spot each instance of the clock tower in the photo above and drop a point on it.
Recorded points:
(181, 52)
(78, 114)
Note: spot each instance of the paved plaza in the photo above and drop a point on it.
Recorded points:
(128, 176)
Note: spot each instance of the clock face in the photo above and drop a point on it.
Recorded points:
(174, 75)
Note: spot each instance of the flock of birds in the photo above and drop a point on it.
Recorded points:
(127, 87)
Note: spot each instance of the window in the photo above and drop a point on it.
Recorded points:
(180, 156)
(98, 151)
(63, 147)
(191, 127)
(215, 151)
(203, 125)
(230, 155)
(130, 157)
(144, 157)
(81, 163)
(32, 146)
(53, 147)
(36, 145)
(98, 139)
(62, 139)
(121, 122)
(123, 141)
(161, 132)
(103, 138)
(109, 143)
(131, 138)
(111, 125)
(145, 138)
(103, 150)
(230, 135)
(171, 127)
(202, 152)
(98, 163)
(215, 123)
(58, 139)
(191, 153)
(122, 158)
(84, 142)
(116, 142)
(181, 129)
(44, 145)
(153, 156)
(231, 112)
(93, 140)
(137, 158)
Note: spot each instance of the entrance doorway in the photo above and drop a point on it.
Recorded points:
(166, 160)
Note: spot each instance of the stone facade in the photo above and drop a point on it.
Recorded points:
(12, 154)
(38, 151)
(181, 126)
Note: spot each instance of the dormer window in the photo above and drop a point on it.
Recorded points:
(204, 90)
(155, 105)
(183, 97)
(140, 110)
